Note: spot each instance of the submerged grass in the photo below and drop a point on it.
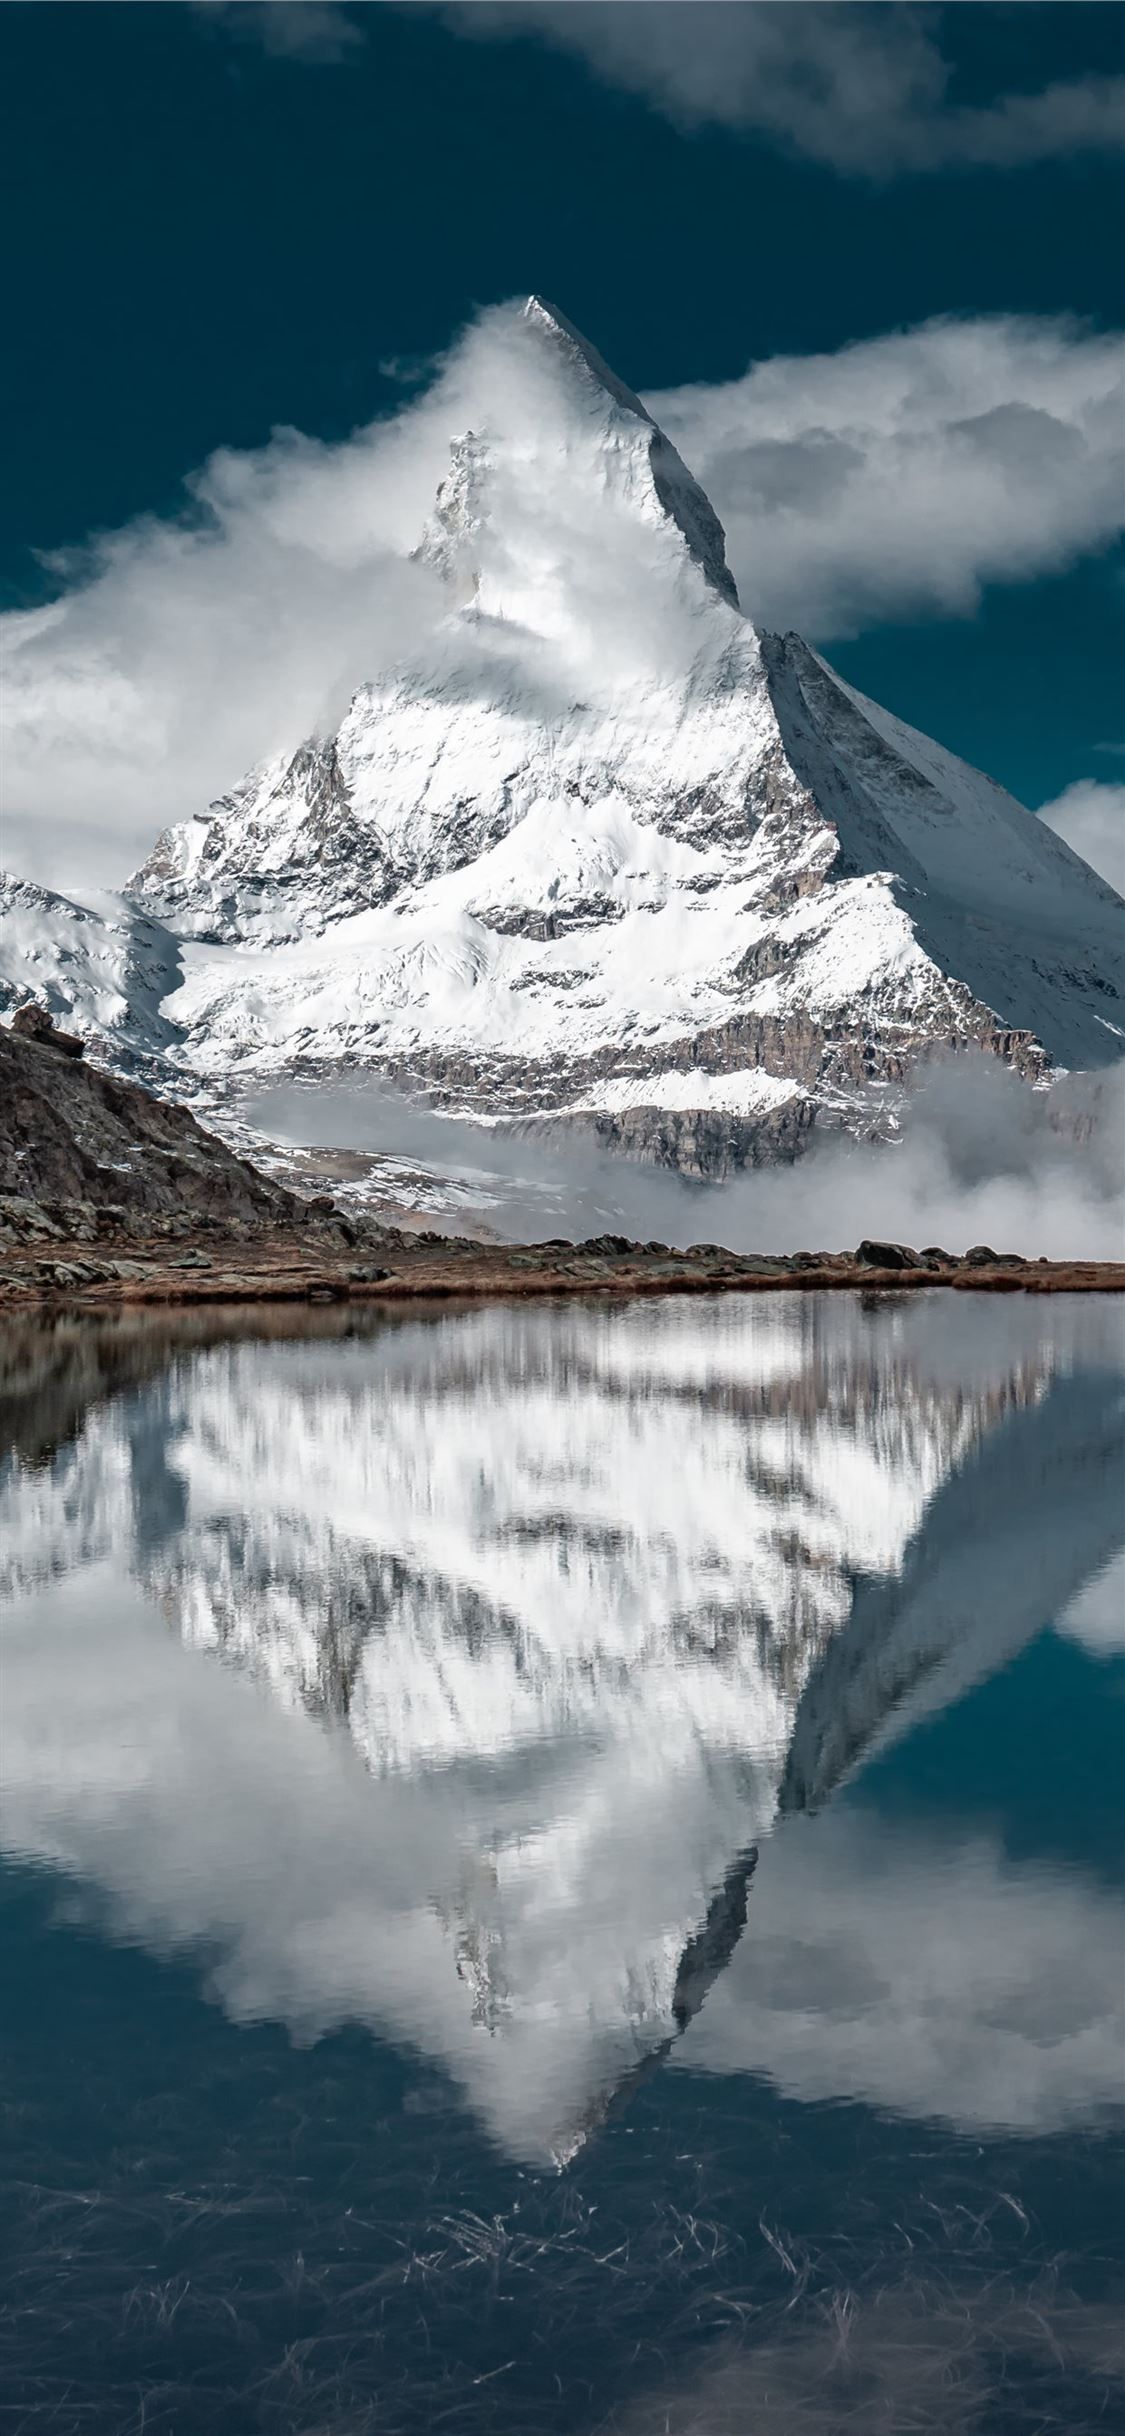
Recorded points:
(162, 2311)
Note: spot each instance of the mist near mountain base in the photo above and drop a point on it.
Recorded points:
(977, 1157)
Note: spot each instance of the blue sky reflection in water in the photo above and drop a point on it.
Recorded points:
(562, 1870)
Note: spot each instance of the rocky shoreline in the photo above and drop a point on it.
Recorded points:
(70, 1255)
(110, 1197)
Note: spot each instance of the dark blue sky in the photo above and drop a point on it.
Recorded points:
(214, 239)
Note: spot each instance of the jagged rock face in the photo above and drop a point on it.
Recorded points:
(601, 837)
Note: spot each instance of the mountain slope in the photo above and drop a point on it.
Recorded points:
(106, 966)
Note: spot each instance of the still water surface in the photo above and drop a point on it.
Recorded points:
(562, 1870)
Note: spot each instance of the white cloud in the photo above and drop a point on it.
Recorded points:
(933, 1977)
(902, 473)
(313, 30)
(1090, 816)
(1096, 1617)
(862, 89)
(896, 476)
(526, 1619)
(979, 1159)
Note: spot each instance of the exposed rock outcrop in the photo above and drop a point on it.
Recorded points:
(69, 1132)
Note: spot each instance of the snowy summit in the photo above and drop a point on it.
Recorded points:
(598, 852)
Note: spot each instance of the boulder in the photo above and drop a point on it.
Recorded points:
(873, 1255)
(32, 1022)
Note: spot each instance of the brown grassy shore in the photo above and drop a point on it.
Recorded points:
(334, 1261)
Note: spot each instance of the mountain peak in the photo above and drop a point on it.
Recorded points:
(536, 463)
(547, 318)
(680, 496)
(595, 853)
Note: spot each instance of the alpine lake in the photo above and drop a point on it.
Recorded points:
(562, 1869)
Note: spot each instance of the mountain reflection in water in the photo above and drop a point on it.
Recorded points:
(450, 1676)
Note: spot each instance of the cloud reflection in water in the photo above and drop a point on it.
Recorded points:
(532, 1626)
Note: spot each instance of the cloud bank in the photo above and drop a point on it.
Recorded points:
(1007, 2023)
(894, 477)
(207, 1820)
(980, 1159)
(1096, 1618)
(863, 90)
(1090, 816)
(900, 475)
(318, 32)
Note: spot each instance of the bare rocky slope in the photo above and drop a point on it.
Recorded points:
(70, 1132)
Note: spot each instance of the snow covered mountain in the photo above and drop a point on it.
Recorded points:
(106, 966)
(582, 1598)
(599, 852)
(593, 853)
